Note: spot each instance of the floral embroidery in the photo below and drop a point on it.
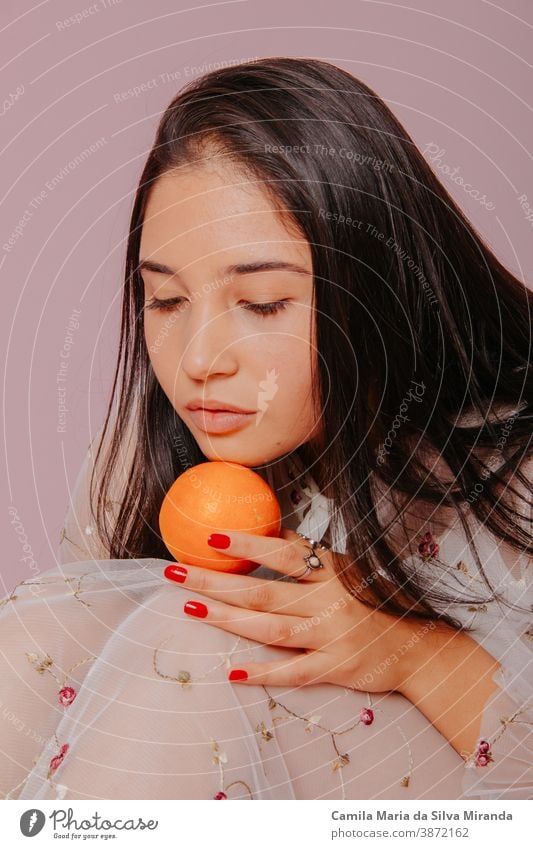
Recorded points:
(312, 721)
(58, 759)
(220, 758)
(66, 694)
(28, 583)
(428, 548)
(342, 760)
(77, 592)
(63, 536)
(529, 633)
(10, 597)
(367, 716)
(483, 753)
(40, 665)
(184, 676)
(52, 580)
(406, 779)
(461, 566)
(265, 733)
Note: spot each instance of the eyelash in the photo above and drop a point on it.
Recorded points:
(260, 309)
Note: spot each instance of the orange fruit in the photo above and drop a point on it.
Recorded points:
(213, 496)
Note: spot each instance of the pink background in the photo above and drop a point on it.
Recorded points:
(456, 74)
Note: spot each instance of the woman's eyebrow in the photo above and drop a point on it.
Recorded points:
(238, 268)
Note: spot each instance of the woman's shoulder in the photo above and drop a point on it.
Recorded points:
(79, 537)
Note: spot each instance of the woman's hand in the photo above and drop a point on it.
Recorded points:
(339, 639)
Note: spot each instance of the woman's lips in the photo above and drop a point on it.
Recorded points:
(212, 421)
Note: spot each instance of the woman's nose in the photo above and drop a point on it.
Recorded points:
(209, 346)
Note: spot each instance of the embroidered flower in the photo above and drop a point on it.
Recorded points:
(311, 721)
(40, 665)
(483, 753)
(428, 547)
(219, 757)
(367, 716)
(58, 759)
(66, 696)
(342, 760)
(265, 733)
(220, 795)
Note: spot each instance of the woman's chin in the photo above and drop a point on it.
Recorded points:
(235, 457)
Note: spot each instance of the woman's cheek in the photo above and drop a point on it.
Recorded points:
(293, 398)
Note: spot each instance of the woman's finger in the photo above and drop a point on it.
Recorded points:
(296, 671)
(270, 628)
(265, 595)
(287, 556)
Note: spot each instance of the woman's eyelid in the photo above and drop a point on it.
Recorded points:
(237, 284)
(180, 299)
(245, 296)
(261, 308)
(259, 297)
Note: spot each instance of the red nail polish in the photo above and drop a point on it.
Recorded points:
(238, 675)
(176, 573)
(219, 540)
(195, 608)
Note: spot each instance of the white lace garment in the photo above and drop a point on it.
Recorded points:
(110, 691)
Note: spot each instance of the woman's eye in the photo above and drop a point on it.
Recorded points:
(266, 309)
(166, 305)
(260, 309)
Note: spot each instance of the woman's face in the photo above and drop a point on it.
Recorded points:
(210, 231)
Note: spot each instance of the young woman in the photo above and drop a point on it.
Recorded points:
(292, 256)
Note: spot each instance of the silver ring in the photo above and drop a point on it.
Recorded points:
(312, 560)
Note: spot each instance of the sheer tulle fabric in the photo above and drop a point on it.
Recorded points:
(110, 691)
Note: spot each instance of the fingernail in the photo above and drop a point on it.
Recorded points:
(219, 540)
(195, 608)
(176, 573)
(238, 675)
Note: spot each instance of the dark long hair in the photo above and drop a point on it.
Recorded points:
(409, 301)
